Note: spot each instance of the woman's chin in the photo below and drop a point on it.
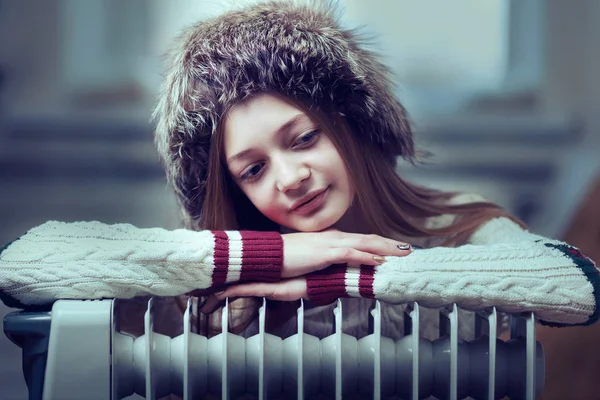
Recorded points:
(310, 226)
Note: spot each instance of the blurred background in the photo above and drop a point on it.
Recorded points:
(504, 93)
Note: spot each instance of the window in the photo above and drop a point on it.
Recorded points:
(445, 52)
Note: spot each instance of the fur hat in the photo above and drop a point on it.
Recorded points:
(297, 50)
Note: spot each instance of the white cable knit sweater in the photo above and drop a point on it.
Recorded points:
(503, 266)
(92, 260)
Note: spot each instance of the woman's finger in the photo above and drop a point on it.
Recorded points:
(255, 289)
(376, 244)
(351, 256)
(211, 304)
(285, 290)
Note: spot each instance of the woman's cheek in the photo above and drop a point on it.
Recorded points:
(271, 211)
(263, 201)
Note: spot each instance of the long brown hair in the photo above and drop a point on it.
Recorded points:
(389, 205)
(392, 206)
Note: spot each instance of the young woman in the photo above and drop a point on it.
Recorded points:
(279, 132)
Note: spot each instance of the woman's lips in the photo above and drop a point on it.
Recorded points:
(312, 204)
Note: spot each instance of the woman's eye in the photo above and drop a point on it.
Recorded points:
(306, 138)
(252, 172)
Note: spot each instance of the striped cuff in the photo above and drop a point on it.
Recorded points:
(247, 256)
(340, 281)
(327, 285)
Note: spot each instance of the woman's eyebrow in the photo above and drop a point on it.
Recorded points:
(280, 131)
(291, 123)
(239, 156)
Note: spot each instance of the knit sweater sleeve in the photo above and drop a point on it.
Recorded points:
(502, 266)
(92, 260)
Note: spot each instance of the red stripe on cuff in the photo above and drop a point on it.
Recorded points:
(365, 282)
(262, 256)
(325, 286)
(221, 258)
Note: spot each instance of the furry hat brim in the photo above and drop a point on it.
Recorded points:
(298, 50)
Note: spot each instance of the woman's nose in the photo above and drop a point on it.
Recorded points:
(291, 175)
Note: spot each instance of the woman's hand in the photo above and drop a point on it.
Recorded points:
(306, 252)
(285, 290)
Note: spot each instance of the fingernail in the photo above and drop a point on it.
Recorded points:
(404, 246)
(379, 259)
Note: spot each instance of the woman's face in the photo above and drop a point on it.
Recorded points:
(288, 168)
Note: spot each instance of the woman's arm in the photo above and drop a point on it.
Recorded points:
(504, 266)
(92, 260)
